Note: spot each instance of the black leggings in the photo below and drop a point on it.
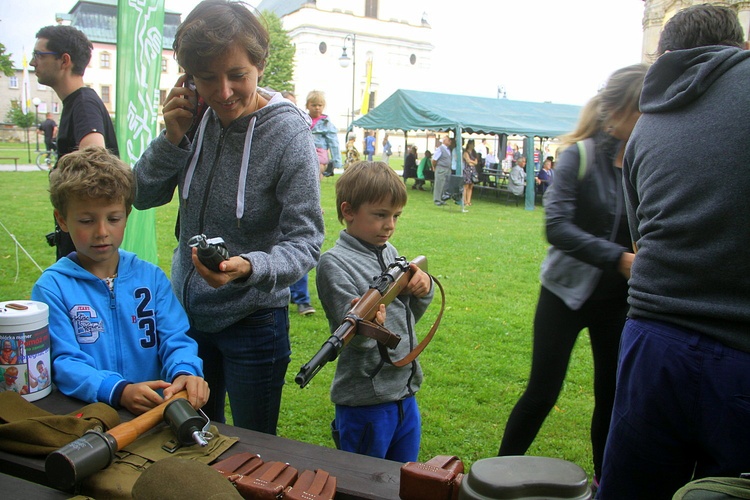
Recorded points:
(556, 328)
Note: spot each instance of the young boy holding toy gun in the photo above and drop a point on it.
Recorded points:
(376, 411)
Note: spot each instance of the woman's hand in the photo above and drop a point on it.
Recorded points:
(179, 110)
(626, 262)
(231, 269)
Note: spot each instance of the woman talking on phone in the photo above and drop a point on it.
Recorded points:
(245, 177)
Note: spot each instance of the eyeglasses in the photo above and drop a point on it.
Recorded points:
(11, 377)
(38, 53)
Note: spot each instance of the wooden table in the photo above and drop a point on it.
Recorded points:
(358, 476)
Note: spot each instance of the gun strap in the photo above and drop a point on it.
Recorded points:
(380, 333)
(420, 347)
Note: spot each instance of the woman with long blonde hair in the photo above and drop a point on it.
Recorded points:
(584, 277)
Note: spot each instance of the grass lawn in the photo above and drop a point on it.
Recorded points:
(476, 366)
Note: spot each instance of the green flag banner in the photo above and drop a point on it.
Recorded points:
(140, 24)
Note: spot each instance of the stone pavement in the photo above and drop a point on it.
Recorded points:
(21, 168)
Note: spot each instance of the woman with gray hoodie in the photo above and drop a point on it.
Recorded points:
(250, 176)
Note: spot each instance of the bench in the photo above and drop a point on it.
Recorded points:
(15, 160)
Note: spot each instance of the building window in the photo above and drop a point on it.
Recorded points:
(322, 47)
(104, 60)
(413, 59)
(163, 64)
(162, 96)
(55, 107)
(13, 82)
(105, 94)
(371, 8)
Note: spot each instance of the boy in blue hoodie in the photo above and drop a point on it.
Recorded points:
(117, 330)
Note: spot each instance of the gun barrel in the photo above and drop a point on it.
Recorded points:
(327, 352)
(384, 289)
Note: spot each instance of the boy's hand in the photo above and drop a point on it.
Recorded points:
(197, 389)
(379, 314)
(141, 397)
(420, 283)
(231, 269)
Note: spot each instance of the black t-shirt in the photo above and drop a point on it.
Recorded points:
(83, 113)
(48, 127)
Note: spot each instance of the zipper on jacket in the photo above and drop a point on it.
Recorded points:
(201, 219)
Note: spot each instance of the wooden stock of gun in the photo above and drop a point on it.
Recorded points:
(383, 290)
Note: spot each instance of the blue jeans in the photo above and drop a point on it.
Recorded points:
(247, 361)
(388, 430)
(299, 292)
(682, 410)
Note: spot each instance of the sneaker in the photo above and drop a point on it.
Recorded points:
(305, 309)
(439, 203)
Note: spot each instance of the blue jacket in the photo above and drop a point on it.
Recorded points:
(102, 340)
(326, 136)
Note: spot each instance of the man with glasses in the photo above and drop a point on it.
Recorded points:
(60, 57)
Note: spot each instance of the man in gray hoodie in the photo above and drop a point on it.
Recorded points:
(681, 409)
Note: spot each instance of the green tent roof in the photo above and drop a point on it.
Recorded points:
(415, 110)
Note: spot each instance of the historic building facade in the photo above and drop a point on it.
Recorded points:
(656, 13)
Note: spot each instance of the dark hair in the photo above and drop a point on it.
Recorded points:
(212, 27)
(701, 25)
(71, 41)
(369, 182)
(91, 173)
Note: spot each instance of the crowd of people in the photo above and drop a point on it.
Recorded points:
(630, 246)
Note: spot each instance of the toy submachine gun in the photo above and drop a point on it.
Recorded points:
(96, 450)
(360, 320)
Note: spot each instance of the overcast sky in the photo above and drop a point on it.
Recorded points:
(538, 50)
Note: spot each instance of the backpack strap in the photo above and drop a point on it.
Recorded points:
(586, 155)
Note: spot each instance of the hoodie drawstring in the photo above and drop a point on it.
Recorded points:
(243, 169)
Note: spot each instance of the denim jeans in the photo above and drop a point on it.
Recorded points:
(682, 411)
(299, 292)
(248, 362)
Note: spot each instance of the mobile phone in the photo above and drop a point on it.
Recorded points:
(190, 84)
(199, 106)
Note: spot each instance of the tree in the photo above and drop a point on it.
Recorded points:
(17, 117)
(6, 64)
(280, 66)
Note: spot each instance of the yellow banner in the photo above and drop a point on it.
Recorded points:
(366, 95)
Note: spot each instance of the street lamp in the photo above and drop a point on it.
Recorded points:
(344, 62)
(36, 102)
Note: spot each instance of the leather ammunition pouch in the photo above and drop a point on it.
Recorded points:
(437, 479)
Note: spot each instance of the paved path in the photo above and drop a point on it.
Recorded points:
(21, 168)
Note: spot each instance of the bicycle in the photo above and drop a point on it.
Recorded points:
(46, 160)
